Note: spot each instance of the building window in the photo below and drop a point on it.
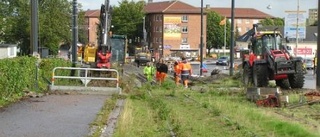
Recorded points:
(184, 29)
(158, 18)
(158, 40)
(184, 40)
(157, 29)
(255, 21)
(239, 21)
(239, 29)
(247, 21)
(184, 18)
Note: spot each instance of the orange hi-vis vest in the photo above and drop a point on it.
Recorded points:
(177, 69)
(185, 68)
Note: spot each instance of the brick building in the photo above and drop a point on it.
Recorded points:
(173, 28)
(244, 18)
(92, 20)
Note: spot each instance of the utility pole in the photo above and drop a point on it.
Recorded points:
(201, 40)
(232, 39)
(34, 27)
(317, 53)
(297, 27)
(74, 35)
(34, 37)
(225, 37)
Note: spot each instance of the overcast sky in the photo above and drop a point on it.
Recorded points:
(278, 6)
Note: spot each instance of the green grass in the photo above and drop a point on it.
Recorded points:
(212, 113)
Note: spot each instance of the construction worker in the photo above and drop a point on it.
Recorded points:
(162, 70)
(185, 71)
(148, 71)
(176, 73)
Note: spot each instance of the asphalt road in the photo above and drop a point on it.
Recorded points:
(51, 116)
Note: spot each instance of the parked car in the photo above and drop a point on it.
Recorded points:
(223, 60)
(309, 63)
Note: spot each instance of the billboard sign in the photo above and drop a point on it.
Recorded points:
(291, 24)
(172, 28)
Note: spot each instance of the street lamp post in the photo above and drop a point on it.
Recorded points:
(297, 27)
(201, 39)
(232, 39)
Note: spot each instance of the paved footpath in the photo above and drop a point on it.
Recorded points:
(51, 116)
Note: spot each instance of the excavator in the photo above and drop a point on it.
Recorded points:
(268, 58)
(111, 49)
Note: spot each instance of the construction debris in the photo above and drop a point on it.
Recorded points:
(266, 97)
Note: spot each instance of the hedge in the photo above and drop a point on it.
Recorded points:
(19, 74)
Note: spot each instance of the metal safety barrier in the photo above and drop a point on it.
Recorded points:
(83, 75)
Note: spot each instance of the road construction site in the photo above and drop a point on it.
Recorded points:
(69, 112)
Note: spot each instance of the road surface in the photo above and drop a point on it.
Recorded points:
(51, 116)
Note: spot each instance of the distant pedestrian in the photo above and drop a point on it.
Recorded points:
(185, 71)
(162, 70)
(148, 71)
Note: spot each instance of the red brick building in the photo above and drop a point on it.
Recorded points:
(173, 28)
(92, 20)
(244, 18)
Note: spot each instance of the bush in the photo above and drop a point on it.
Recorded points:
(18, 74)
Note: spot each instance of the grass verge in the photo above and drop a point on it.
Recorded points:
(166, 110)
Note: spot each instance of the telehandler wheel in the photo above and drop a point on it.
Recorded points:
(283, 83)
(296, 80)
(260, 75)
(246, 75)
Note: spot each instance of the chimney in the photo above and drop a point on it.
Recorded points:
(208, 6)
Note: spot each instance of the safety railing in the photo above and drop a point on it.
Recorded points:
(83, 75)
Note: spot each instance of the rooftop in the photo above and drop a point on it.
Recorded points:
(184, 8)
(170, 7)
(242, 13)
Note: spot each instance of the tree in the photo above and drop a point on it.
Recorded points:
(272, 22)
(83, 28)
(315, 23)
(127, 19)
(54, 23)
(215, 31)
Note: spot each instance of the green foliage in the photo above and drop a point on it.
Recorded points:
(215, 31)
(127, 19)
(272, 22)
(46, 66)
(18, 74)
(54, 23)
(83, 28)
(315, 23)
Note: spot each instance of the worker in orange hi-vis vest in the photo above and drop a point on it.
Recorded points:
(176, 72)
(162, 70)
(185, 71)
